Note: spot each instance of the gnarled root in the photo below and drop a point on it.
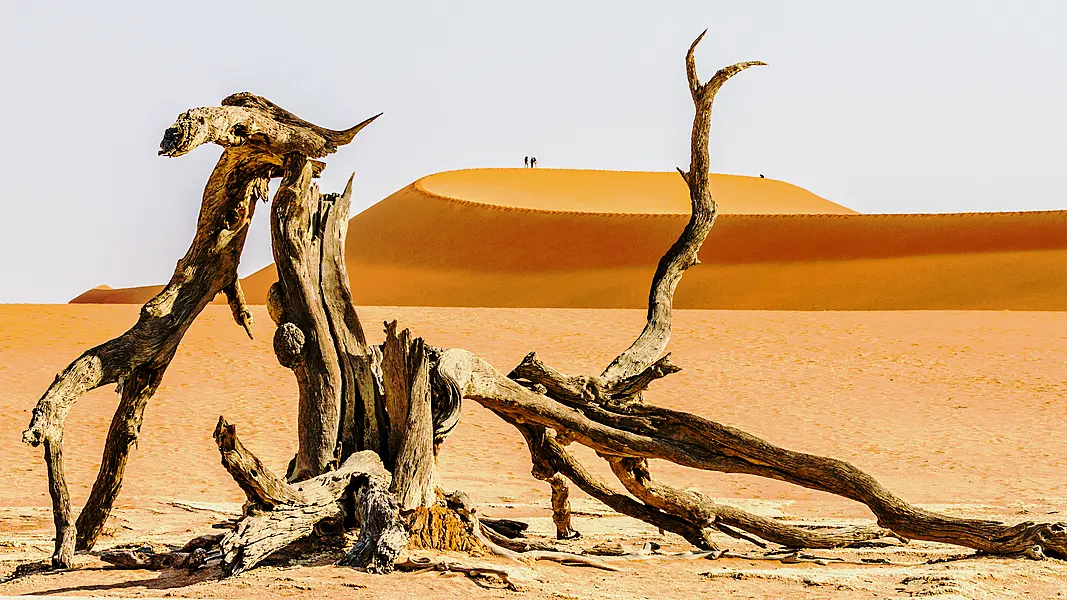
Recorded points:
(279, 513)
(382, 535)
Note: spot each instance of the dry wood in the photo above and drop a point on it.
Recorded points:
(142, 354)
(134, 393)
(263, 489)
(509, 528)
(365, 409)
(549, 456)
(235, 297)
(362, 397)
(304, 342)
(561, 507)
(513, 578)
(415, 471)
(465, 508)
(256, 135)
(396, 380)
(643, 431)
(319, 335)
(606, 414)
(382, 535)
(63, 555)
(635, 476)
(278, 513)
(153, 557)
(650, 344)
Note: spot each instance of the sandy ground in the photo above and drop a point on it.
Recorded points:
(961, 411)
(590, 239)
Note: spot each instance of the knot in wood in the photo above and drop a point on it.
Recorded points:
(288, 344)
(275, 304)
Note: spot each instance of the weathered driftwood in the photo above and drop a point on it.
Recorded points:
(63, 555)
(406, 377)
(319, 335)
(278, 513)
(371, 418)
(256, 135)
(561, 507)
(606, 413)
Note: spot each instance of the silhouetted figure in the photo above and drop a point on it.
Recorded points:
(525, 162)
(533, 162)
(761, 176)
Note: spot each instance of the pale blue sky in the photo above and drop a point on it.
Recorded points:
(901, 106)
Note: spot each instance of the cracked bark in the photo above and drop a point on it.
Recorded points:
(254, 144)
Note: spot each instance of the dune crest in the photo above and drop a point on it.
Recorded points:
(619, 192)
(591, 239)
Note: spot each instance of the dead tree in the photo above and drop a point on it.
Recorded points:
(372, 417)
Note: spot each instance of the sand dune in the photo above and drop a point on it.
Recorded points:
(591, 239)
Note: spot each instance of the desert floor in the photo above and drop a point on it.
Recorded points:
(960, 411)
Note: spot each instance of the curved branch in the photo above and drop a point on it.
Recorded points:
(246, 119)
(644, 431)
(136, 389)
(650, 344)
(693, 506)
(550, 457)
(261, 486)
(333, 139)
(137, 359)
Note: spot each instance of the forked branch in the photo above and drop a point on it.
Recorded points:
(606, 413)
(652, 341)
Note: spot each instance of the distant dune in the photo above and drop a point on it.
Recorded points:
(591, 239)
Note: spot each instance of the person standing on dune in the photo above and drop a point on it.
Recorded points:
(525, 162)
(533, 162)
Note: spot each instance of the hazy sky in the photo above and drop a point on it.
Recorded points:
(901, 106)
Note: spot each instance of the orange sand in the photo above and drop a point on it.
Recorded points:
(942, 407)
(590, 239)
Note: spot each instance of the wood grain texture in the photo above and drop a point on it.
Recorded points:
(607, 414)
(255, 145)
(652, 341)
(278, 513)
(415, 470)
